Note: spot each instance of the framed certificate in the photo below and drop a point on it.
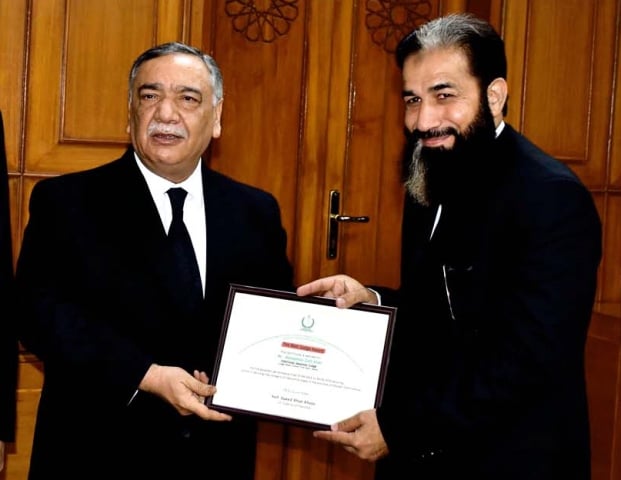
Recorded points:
(300, 360)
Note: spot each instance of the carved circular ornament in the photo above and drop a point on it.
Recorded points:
(389, 21)
(262, 20)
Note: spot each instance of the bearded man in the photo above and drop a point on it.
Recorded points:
(500, 250)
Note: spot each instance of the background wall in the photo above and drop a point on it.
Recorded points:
(312, 104)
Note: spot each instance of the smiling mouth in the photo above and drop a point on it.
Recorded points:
(435, 141)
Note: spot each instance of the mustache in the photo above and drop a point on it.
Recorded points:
(165, 129)
(433, 133)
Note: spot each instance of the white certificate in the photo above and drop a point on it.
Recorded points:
(300, 360)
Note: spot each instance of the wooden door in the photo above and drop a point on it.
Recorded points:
(312, 105)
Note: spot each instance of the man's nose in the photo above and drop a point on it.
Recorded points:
(428, 117)
(167, 111)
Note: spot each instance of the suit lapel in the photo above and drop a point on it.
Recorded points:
(144, 235)
(219, 230)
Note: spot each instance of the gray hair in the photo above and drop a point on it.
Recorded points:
(481, 44)
(178, 47)
(450, 30)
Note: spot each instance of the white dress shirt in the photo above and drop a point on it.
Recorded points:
(193, 208)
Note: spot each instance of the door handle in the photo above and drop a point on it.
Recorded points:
(334, 218)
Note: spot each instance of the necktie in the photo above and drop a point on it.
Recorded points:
(183, 251)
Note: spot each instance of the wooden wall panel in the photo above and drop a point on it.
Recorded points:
(72, 80)
(610, 285)
(603, 358)
(614, 177)
(611, 270)
(88, 78)
(12, 58)
(261, 58)
(45, 152)
(566, 102)
(563, 77)
(376, 144)
(13, 29)
(548, 21)
(513, 31)
(28, 183)
(14, 199)
(324, 139)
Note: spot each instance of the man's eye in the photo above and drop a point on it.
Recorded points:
(411, 102)
(189, 99)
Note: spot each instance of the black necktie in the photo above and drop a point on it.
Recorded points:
(183, 252)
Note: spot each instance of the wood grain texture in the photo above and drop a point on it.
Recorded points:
(311, 106)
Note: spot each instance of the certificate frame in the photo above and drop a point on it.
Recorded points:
(300, 360)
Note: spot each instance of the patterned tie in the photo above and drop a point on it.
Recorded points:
(181, 244)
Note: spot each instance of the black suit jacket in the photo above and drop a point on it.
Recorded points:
(8, 339)
(101, 305)
(491, 386)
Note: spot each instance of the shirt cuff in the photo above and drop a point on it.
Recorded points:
(132, 399)
(377, 295)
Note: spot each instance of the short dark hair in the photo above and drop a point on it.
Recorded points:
(481, 44)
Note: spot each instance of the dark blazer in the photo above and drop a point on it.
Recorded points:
(492, 386)
(100, 305)
(8, 338)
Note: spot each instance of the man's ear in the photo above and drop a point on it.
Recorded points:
(217, 120)
(497, 96)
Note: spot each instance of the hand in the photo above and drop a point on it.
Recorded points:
(346, 290)
(1, 455)
(360, 435)
(183, 391)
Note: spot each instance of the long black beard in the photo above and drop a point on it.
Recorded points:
(438, 175)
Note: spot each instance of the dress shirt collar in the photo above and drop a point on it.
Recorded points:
(159, 185)
(500, 128)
